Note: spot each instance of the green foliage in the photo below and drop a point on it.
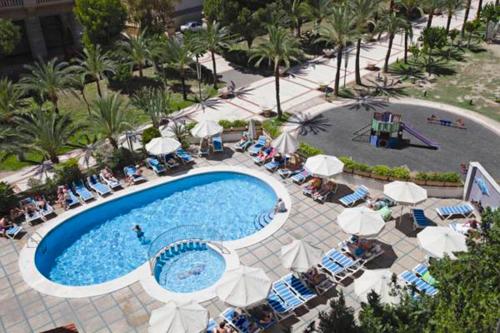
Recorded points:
(273, 126)
(308, 150)
(381, 170)
(102, 20)
(211, 10)
(339, 318)
(189, 126)
(10, 35)
(226, 124)
(8, 199)
(434, 38)
(109, 117)
(68, 172)
(149, 134)
(11, 100)
(154, 102)
(154, 16)
(400, 173)
(119, 159)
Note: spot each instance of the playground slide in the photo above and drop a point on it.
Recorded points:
(419, 135)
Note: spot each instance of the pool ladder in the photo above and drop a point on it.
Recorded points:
(263, 219)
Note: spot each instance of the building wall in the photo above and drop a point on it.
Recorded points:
(481, 187)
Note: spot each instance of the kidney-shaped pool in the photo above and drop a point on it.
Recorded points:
(99, 245)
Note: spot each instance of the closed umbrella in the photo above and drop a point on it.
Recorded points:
(174, 317)
(360, 221)
(206, 128)
(244, 286)
(438, 241)
(378, 280)
(162, 146)
(324, 165)
(252, 131)
(286, 143)
(299, 256)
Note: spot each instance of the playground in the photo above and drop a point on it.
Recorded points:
(420, 137)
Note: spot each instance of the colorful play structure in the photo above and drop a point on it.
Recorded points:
(386, 131)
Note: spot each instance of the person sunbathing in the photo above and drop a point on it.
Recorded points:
(5, 225)
(136, 174)
(460, 123)
(108, 175)
(243, 139)
(324, 190)
(433, 118)
(314, 184)
(41, 202)
(16, 213)
(313, 277)
(262, 154)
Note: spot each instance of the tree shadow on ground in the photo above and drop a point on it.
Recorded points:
(307, 124)
(134, 84)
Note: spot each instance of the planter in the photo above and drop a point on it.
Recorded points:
(453, 184)
(419, 181)
(347, 170)
(379, 177)
(362, 173)
(434, 183)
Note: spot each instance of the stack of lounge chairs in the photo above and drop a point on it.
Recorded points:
(360, 194)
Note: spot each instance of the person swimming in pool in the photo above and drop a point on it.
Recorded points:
(139, 233)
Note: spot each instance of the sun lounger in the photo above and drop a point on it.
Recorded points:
(31, 215)
(285, 172)
(184, 155)
(131, 172)
(301, 177)
(361, 193)
(420, 221)
(212, 326)
(261, 142)
(260, 160)
(335, 270)
(97, 186)
(385, 212)
(287, 295)
(113, 184)
(13, 231)
(422, 271)
(322, 195)
(344, 261)
(273, 165)
(155, 165)
(419, 284)
(242, 145)
(279, 306)
(464, 210)
(73, 200)
(242, 324)
(217, 145)
(300, 289)
(83, 191)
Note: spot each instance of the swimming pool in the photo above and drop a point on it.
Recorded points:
(98, 245)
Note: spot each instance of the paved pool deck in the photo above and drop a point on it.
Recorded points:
(127, 310)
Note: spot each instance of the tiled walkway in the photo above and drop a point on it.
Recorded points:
(127, 310)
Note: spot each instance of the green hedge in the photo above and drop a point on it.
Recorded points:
(149, 134)
(227, 124)
(308, 150)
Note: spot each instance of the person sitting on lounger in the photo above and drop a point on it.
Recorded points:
(137, 174)
(324, 190)
(243, 139)
(204, 145)
(264, 152)
(280, 206)
(40, 201)
(108, 175)
(314, 184)
(224, 328)
(5, 225)
(313, 277)
(16, 213)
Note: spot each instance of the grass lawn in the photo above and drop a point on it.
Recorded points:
(476, 78)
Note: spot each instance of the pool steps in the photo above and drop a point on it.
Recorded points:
(176, 249)
(263, 219)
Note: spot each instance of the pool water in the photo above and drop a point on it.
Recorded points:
(99, 245)
(191, 271)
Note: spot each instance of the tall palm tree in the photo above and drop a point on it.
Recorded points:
(280, 50)
(431, 6)
(214, 38)
(468, 4)
(479, 8)
(154, 102)
(11, 100)
(179, 58)
(136, 49)
(363, 11)
(452, 8)
(48, 80)
(46, 132)
(109, 116)
(318, 10)
(339, 29)
(392, 24)
(410, 7)
(96, 64)
(296, 11)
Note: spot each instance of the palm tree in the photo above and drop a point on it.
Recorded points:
(154, 102)
(452, 8)
(466, 16)
(392, 24)
(296, 11)
(280, 50)
(432, 6)
(109, 116)
(213, 39)
(318, 10)
(48, 80)
(136, 49)
(11, 100)
(95, 64)
(479, 7)
(410, 6)
(46, 132)
(179, 57)
(363, 11)
(339, 30)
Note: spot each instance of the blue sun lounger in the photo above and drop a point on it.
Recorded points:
(131, 171)
(351, 199)
(422, 286)
(422, 271)
(285, 172)
(301, 177)
(298, 286)
(184, 155)
(155, 165)
(96, 185)
(464, 210)
(13, 231)
(287, 295)
(242, 324)
(212, 326)
(261, 142)
(73, 200)
(83, 191)
(420, 221)
(217, 145)
(344, 261)
(279, 306)
(242, 145)
(273, 165)
(335, 270)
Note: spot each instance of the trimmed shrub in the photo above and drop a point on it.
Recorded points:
(149, 134)
(308, 150)
(225, 123)
(400, 173)
(381, 170)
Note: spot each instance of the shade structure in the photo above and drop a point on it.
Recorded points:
(162, 146)
(360, 221)
(286, 143)
(324, 165)
(299, 256)
(405, 193)
(378, 280)
(438, 241)
(206, 128)
(243, 286)
(174, 317)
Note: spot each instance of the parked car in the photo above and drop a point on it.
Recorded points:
(191, 26)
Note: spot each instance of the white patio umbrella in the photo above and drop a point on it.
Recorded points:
(405, 193)
(299, 256)
(438, 241)
(324, 165)
(162, 146)
(206, 128)
(174, 317)
(286, 143)
(378, 280)
(244, 286)
(360, 221)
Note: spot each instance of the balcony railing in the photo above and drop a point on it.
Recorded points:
(11, 3)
